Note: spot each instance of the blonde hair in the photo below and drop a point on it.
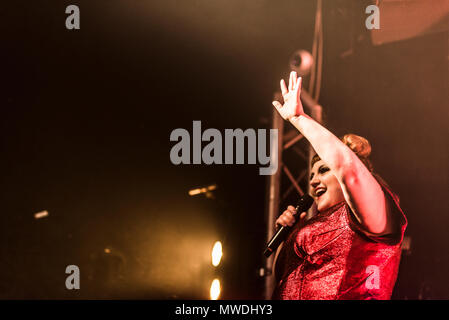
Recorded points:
(359, 145)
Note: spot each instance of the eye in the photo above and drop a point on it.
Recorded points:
(323, 170)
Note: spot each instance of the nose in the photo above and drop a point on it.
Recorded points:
(314, 182)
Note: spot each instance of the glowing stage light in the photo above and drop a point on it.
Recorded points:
(41, 214)
(217, 253)
(205, 190)
(215, 289)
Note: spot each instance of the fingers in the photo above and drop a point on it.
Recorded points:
(291, 209)
(287, 217)
(298, 83)
(295, 79)
(298, 87)
(283, 88)
(284, 221)
(277, 105)
(291, 82)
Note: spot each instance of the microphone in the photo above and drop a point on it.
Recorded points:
(304, 204)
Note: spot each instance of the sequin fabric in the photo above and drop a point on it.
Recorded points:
(331, 257)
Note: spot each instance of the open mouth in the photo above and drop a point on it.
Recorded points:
(319, 192)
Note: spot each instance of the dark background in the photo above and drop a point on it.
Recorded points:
(86, 117)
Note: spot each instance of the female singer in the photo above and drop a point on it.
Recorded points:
(352, 247)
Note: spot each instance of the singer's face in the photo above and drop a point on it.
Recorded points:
(325, 187)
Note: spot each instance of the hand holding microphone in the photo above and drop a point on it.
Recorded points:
(288, 217)
(287, 221)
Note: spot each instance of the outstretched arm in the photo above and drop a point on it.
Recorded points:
(362, 192)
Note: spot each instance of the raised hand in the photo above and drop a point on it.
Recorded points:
(292, 103)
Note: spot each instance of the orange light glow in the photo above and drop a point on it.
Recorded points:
(215, 289)
(217, 253)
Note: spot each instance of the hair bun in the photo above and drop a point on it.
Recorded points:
(358, 144)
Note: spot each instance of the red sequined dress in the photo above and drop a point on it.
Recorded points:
(331, 257)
